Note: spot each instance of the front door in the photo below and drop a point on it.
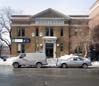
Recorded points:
(49, 50)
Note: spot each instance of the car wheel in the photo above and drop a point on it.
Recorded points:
(16, 65)
(64, 65)
(85, 66)
(39, 65)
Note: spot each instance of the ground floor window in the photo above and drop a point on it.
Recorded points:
(61, 47)
(21, 48)
(78, 50)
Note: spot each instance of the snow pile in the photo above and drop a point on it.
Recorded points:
(7, 62)
(67, 56)
(64, 57)
(51, 62)
(95, 64)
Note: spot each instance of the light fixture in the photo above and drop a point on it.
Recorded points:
(57, 45)
(41, 44)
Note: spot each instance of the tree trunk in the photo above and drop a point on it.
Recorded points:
(86, 51)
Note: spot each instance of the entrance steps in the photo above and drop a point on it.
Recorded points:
(52, 62)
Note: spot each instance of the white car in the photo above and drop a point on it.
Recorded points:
(74, 61)
(30, 59)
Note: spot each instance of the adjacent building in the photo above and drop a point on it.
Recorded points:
(94, 29)
(48, 31)
(94, 15)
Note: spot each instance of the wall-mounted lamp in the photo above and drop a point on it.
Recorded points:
(40, 34)
(57, 45)
(41, 45)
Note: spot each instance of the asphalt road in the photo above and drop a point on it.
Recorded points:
(48, 76)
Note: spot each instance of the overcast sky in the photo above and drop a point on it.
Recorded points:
(32, 7)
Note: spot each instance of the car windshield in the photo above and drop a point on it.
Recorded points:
(74, 58)
(22, 55)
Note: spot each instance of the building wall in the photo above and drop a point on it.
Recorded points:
(63, 44)
(31, 47)
(79, 31)
(94, 15)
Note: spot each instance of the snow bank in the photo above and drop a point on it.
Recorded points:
(95, 64)
(7, 62)
(67, 56)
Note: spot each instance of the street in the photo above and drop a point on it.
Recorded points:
(48, 76)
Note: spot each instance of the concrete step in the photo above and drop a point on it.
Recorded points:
(51, 62)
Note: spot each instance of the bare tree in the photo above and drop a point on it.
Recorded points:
(80, 40)
(95, 35)
(5, 29)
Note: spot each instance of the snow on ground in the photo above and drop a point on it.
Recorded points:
(95, 64)
(7, 62)
(67, 56)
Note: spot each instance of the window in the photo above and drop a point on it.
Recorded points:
(37, 31)
(61, 31)
(49, 21)
(21, 48)
(61, 47)
(18, 32)
(49, 31)
(78, 50)
(21, 31)
(77, 31)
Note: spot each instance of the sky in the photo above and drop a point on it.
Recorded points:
(31, 7)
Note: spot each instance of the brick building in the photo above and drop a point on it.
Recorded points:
(94, 22)
(94, 15)
(94, 29)
(49, 31)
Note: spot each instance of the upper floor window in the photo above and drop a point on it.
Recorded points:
(21, 31)
(49, 31)
(77, 31)
(49, 21)
(37, 31)
(61, 31)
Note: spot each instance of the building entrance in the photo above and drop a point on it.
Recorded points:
(49, 50)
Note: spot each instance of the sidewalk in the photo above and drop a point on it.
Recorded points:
(51, 62)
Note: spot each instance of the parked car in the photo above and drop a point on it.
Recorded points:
(74, 61)
(30, 59)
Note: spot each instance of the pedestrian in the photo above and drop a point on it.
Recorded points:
(92, 53)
